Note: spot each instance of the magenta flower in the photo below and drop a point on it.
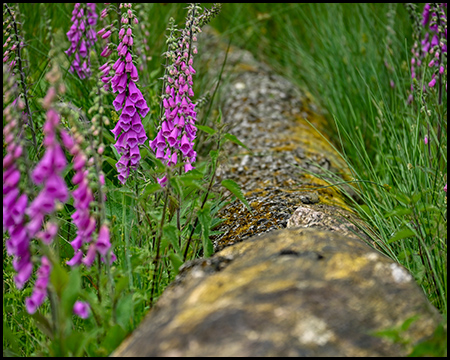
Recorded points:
(81, 308)
(103, 244)
(129, 131)
(40, 288)
(177, 131)
(82, 37)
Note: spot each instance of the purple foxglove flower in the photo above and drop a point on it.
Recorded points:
(120, 68)
(76, 260)
(432, 82)
(106, 34)
(162, 181)
(89, 259)
(129, 108)
(426, 14)
(42, 204)
(172, 138)
(122, 84)
(23, 275)
(34, 224)
(119, 100)
(49, 234)
(106, 51)
(160, 153)
(33, 302)
(143, 109)
(56, 188)
(81, 309)
(188, 167)
(18, 242)
(185, 145)
(173, 159)
(134, 74)
(134, 92)
(125, 125)
(136, 124)
(40, 290)
(77, 242)
(124, 49)
(166, 128)
(135, 156)
(117, 130)
(103, 244)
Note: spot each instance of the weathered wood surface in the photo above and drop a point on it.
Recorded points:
(315, 289)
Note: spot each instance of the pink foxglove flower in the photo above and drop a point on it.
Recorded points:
(128, 132)
(40, 288)
(81, 308)
(175, 139)
(82, 37)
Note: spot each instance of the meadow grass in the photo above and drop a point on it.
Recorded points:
(336, 52)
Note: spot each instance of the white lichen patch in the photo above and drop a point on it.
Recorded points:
(239, 86)
(399, 274)
(313, 331)
(371, 256)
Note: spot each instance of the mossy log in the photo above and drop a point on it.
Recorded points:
(315, 288)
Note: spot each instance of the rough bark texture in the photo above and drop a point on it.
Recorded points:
(314, 289)
(292, 292)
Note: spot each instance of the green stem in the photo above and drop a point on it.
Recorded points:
(158, 244)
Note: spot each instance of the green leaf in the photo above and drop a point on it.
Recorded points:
(112, 340)
(213, 154)
(402, 234)
(171, 232)
(428, 208)
(234, 139)
(204, 216)
(206, 129)
(121, 284)
(402, 198)
(71, 292)
(124, 312)
(150, 189)
(42, 323)
(107, 134)
(59, 278)
(236, 190)
(176, 261)
(110, 161)
(398, 211)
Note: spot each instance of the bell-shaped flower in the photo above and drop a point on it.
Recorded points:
(89, 259)
(119, 100)
(81, 308)
(129, 108)
(76, 259)
(185, 145)
(103, 242)
(172, 138)
(134, 93)
(56, 188)
(122, 84)
(135, 156)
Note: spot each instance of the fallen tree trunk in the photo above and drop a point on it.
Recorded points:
(314, 289)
